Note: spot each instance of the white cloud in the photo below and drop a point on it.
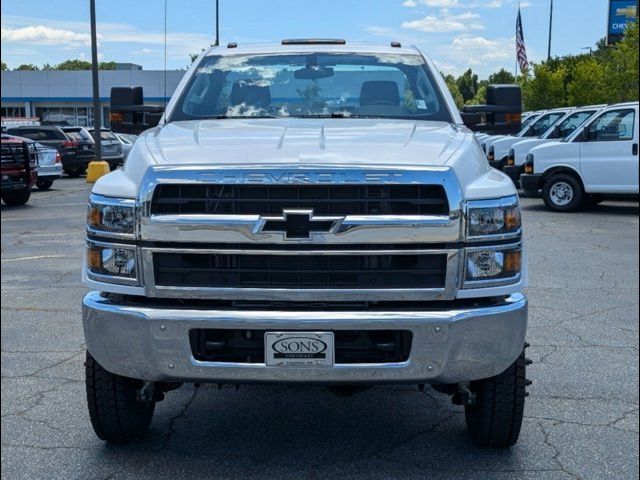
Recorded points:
(44, 35)
(446, 22)
(410, 3)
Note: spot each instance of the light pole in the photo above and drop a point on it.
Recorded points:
(97, 108)
(217, 24)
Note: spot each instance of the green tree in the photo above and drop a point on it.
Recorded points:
(622, 67)
(27, 66)
(3, 67)
(73, 65)
(589, 84)
(546, 89)
(107, 65)
(468, 85)
(453, 88)
(502, 76)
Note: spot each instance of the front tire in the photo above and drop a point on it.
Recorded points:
(495, 418)
(15, 198)
(44, 184)
(117, 415)
(563, 193)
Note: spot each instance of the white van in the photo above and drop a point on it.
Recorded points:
(563, 128)
(498, 150)
(485, 139)
(599, 159)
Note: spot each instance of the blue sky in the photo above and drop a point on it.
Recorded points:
(456, 33)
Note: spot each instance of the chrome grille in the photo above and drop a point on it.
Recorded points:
(211, 199)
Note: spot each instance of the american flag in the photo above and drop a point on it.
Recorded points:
(521, 51)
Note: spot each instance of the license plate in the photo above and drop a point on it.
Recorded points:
(298, 349)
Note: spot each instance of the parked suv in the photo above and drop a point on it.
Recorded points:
(19, 169)
(599, 159)
(74, 147)
(311, 212)
(111, 147)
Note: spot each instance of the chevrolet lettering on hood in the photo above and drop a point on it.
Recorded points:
(301, 177)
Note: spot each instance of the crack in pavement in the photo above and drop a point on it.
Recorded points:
(174, 419)
(556, 453)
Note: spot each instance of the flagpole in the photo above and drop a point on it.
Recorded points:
(550, 24)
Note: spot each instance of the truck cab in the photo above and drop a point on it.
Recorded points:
(314, 212)
(599, 159)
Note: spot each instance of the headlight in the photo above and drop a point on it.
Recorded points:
(511, 158)
(528, 164)
(117, 261)
(493, 266)
(490, 153)
(493, 217)
(111, 216)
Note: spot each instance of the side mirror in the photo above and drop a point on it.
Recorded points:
(502, 113)
(128, 113)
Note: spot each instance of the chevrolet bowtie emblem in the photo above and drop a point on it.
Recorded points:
(299, 224)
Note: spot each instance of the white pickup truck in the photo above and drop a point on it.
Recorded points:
(307, 213)
(598, 160)
(563, 128)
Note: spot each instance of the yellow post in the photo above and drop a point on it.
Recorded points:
(97, 169)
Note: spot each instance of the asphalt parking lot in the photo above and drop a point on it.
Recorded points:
(581, 418)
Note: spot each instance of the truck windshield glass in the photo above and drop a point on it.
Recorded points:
(312, 85)
(567, 126)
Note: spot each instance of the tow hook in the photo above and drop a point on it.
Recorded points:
(149, 393)
(464, 396)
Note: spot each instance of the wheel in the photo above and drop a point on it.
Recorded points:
(563, 193)
(495, 418)
(73, 172)
(16, 197)
(44, 184)
(117, 415)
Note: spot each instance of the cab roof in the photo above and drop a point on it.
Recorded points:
(311, 46)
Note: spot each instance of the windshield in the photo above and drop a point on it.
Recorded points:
(567, 126)
(312, 85)
(77, 134)
(541, 125)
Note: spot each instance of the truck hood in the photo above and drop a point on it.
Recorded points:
(307, 143)
(522, 148)
(299, 142)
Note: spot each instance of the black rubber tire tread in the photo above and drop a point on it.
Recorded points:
(578, 193)
(15, 198)
(116, 415)
(44, 184)
(496, 418)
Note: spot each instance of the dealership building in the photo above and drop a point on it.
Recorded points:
(67, 95)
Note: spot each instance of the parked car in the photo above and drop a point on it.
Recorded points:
(49, 166)
(127, 141)
(351, 236)
(498, 150)
(19, 169)
(599, 159)
(75, 149)
(563, 128)
(111, 147)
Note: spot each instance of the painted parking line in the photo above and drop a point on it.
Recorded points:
(37, 257)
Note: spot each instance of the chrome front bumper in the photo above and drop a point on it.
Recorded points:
(449, 346)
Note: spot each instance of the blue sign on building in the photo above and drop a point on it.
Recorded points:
(621, 12)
